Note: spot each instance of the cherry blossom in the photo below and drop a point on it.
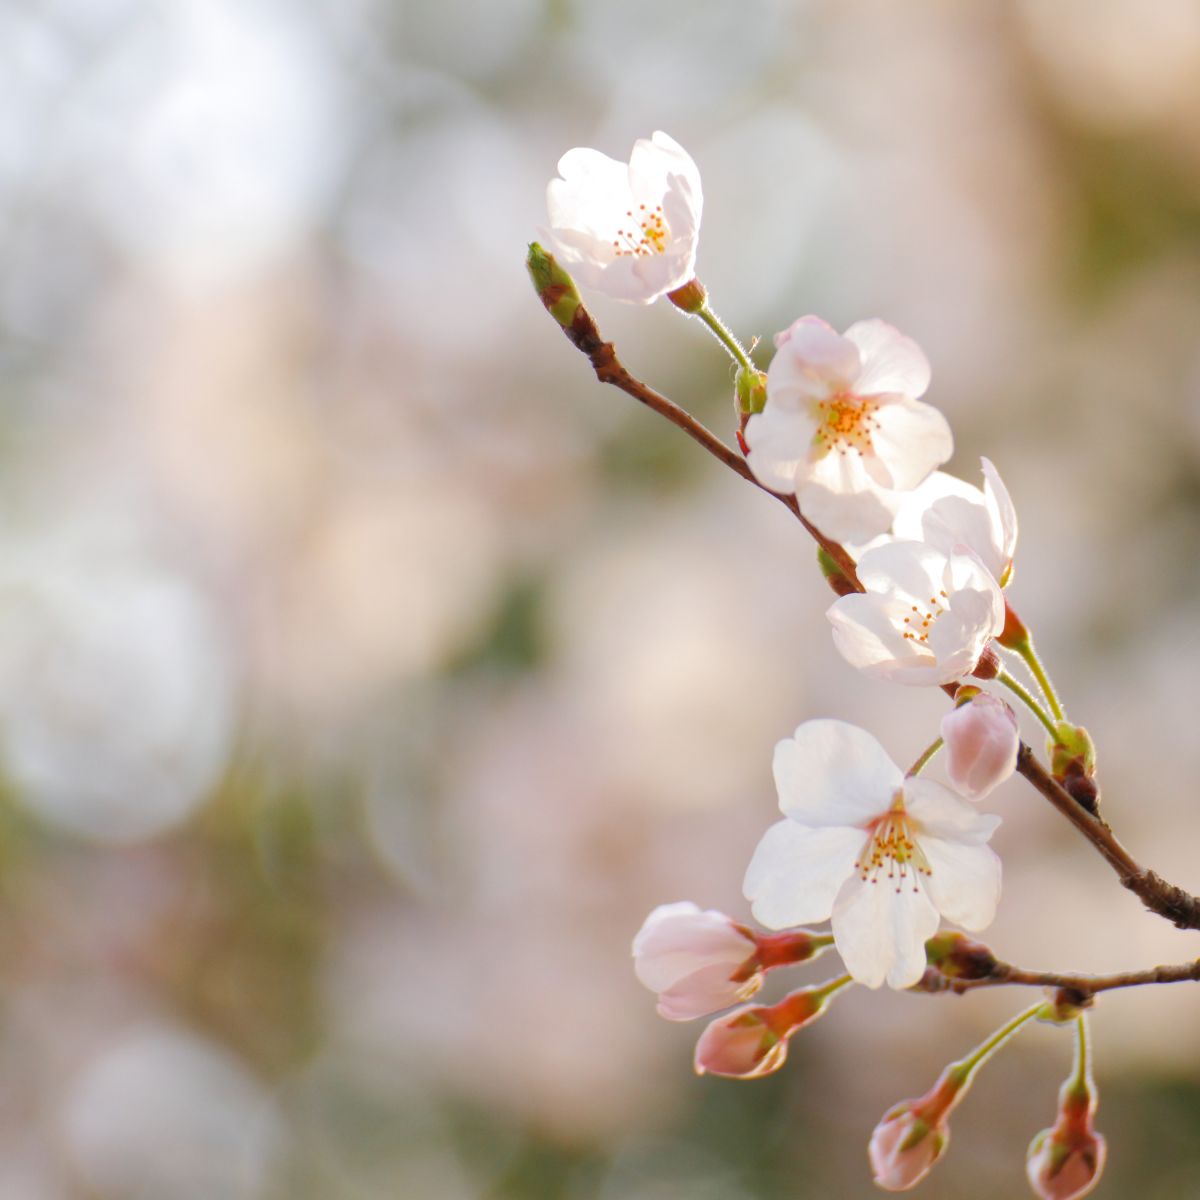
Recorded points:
(945, 512)
(1065, 1163)
(880, 855)
(628, 230)
(697, 961)
(844, 428)
(925, 617)
(981, 745)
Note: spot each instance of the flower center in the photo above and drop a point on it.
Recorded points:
(920, 620)
(893, 846)
(647, 234)
(845, 423)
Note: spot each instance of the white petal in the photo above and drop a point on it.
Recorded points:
(779, 442)
(812, 360)
(939, 813)
(867, 637)
(880, 931)
(796, 872)
(912, 438)
(964, 882)
(833, 773)
(911, 570)
(846, 516)
(592, 195)
(1001, 505)
(891, 362)
(702, 992)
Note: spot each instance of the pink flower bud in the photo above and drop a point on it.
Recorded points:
(752, 1041)
(904, 1147)
(697, 961)
(981, 744)
(1065, 1163)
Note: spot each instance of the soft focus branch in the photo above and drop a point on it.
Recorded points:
(560, 299)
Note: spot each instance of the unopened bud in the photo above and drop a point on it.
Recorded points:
(752, 1041)
(554, 286)
(981, 744)
(957, 956)
(1065, 1161)
(750, 388)
(1073, 764)
(697, 961)
(988, 666)
(834, 575)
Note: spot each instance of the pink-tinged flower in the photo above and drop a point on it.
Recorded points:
(925, 617)
(981, 745)
(701, 961)
(945, 512)
(752, 1041)
(843, 427)
(697, 961)
(880, 855)
(628, 230)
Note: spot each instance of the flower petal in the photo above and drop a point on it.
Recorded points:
(964, 882)
(891, 362)
(780, 441)
(846, 515)
(812, 361)
(880, 929)
(796, 872)
(1000, 502)
(912, 438)
(833, 773)
(939, 813)
(866, 636)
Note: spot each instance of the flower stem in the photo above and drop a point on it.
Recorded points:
(926, 755)
(1030, 702)
(967, 1067)
(1025, 649)
(722, 333)
(1081, 1077)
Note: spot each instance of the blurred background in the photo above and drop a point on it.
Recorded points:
(367, 671)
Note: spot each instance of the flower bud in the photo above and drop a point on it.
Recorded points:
(689, 297)
(697, 961)
(752, 1041)
(700, 962)
(957, 956)
(904, 1147)
(1064, 1166)
(981, 744)
(1073, 764)
(750, 387)
(1064, 1162)
(554, 286)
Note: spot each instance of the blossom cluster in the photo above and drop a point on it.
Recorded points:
(838, 425)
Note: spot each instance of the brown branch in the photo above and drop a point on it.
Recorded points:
(584, 335)
(1159, 896)
(1084, 986)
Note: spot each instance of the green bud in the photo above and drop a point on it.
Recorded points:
(554, 286)
(1072, 743)
(751, 387)
(957, 956)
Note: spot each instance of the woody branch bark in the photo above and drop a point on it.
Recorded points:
(558, 295)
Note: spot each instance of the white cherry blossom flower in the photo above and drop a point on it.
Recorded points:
(628, 230)
(925, 617)
(945, 512)
(880, 855)
(844, 428)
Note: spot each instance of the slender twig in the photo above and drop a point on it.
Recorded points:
(1085, 985)
(1159, 896)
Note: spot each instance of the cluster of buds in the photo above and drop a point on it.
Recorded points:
(920, 562)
